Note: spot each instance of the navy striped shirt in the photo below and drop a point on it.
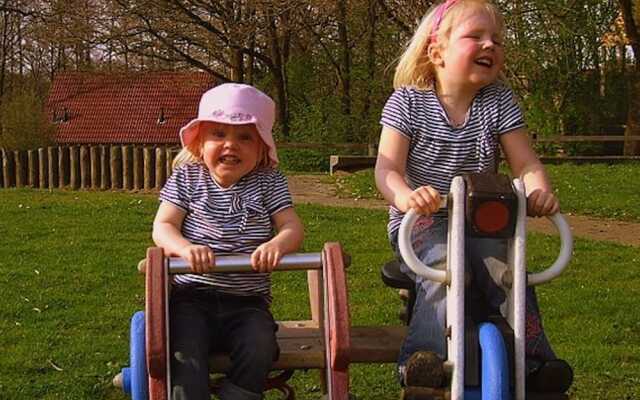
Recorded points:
(233, 220)
(438, 151)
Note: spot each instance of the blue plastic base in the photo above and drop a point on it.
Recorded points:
(137, 374)
(495, 366)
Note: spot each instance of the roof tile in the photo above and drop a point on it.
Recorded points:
(125, 107)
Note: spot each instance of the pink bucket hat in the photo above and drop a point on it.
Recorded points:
(235, 104)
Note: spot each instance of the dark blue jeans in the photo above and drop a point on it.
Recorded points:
(203, 321)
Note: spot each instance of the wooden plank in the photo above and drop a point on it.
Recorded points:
(85, 168)
(138, 168)
(105, 170)
(303, 347)
(376, 344)
(127, 167)
(8, 168)
(43, 168)
(587, 159)
(94, 157)
(149, 173)
(322, 146)
(52, 156)
(583, 138)
(74, 167)
(63, 166)
(161, 167)
(34, 173)
(116, 167)
(350, 163)
(20, 159)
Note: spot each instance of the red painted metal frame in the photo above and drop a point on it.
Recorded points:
(156, 324)
(336, 323)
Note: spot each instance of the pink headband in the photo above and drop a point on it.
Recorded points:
(442, 9)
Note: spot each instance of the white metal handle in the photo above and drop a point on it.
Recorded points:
(566, 249)
(409, 255)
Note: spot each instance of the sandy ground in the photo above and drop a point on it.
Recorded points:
(313, 189)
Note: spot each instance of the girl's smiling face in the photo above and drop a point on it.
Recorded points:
(473, 55)
(230, 151)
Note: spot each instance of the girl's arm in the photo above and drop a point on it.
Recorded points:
(288, 239)
(524, 163)
(390, 176)
(168, 235)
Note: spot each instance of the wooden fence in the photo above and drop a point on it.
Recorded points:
(100, 167)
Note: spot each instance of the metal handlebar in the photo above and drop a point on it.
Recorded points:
(566, 248)
(418, 267)
(409, 255)
(242, 263)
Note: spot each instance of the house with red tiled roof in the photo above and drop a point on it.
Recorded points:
(124, 108)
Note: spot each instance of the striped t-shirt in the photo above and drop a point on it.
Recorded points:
(438, 151)
(233, 220)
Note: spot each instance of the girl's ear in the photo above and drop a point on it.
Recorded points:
(434, 51)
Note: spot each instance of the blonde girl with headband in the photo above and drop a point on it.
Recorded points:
(225, 197)
(450, 114)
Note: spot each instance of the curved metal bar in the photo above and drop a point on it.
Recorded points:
(566, 249)
(242, 263)
(409, 255)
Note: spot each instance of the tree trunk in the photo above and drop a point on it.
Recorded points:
(372, 135)
(345, 70)
(632, 148)
(279, 72)
(633, 115)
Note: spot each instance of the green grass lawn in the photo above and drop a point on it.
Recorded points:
(600, 190)
(69, 287)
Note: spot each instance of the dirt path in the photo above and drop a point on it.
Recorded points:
(313, 189)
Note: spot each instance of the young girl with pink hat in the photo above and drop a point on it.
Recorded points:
(225, 197)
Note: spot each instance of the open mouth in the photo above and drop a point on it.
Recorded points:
(484, 62)
(229, 160)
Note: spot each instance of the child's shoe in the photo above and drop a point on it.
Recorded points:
(552, 376)
(424, 368)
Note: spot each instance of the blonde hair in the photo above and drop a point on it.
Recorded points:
(192, 153)
(415, 68)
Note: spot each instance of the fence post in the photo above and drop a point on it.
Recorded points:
(94, 160)
(74, 167)
(148, 168)
(138, 168)
(63, 166)
(32, 163)
(43, 171)
(8, 168)
(21, 168)
(169, 156)
(116, 167)
(161, 164)
(1, 168)
(85, 168)
(105, 178)
(127, 173)
(54, 173)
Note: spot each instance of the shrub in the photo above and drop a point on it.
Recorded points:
(24, 123)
